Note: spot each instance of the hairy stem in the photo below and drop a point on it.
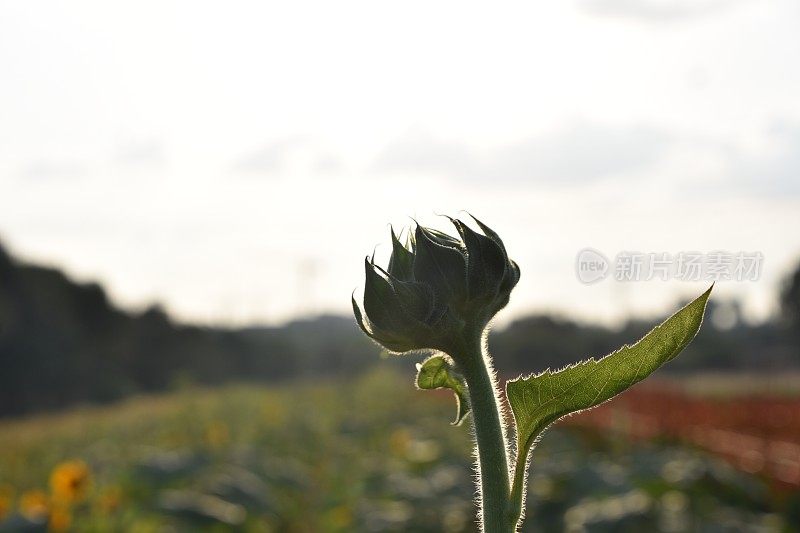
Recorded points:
(490, 438)
(518, 488)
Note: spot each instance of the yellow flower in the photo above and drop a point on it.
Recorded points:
(6, 498)
(69, 481)
(60, 519)
(33, 504)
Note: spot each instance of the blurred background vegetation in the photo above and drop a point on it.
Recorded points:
(63, 343)
(306, 429)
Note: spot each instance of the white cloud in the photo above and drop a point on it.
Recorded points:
(284, 156)
(656, 11)
(148, 153)
(773, 171)
(578, 154)
(55, 169)
(270, 159)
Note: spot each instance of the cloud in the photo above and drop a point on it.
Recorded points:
(137, 154)
(655, 11)
(582, 153)
(578, 154)
(134, 155)
(422, 153)
(277, 157)
(269, 159)
(774, 172)
(54, 169)
(327, 163)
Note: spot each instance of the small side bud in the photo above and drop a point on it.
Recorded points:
(437, 373)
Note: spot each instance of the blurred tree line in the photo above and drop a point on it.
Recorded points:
(63, 343)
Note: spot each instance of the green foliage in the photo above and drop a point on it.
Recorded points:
(437, 373)
(438, 294)
(538, 401)
(320, 458)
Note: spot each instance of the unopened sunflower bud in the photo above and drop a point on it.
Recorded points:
(436, 286)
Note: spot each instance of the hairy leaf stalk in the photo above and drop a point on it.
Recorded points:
(516, 502)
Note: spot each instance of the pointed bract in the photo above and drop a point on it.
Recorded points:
(382, 338)
(486, 263)
(401, 262)
(380, 301)
(441, 267)
(442, 238)
(416, 299)
(489, 232)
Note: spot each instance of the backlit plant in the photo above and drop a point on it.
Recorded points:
(438, 294)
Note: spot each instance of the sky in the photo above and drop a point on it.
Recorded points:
(236, 161)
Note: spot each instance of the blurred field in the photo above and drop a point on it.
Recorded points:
(751, 421)
(374, 455)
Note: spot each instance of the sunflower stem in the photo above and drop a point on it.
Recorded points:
(490, 438)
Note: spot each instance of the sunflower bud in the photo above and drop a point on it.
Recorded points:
(435, 287)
